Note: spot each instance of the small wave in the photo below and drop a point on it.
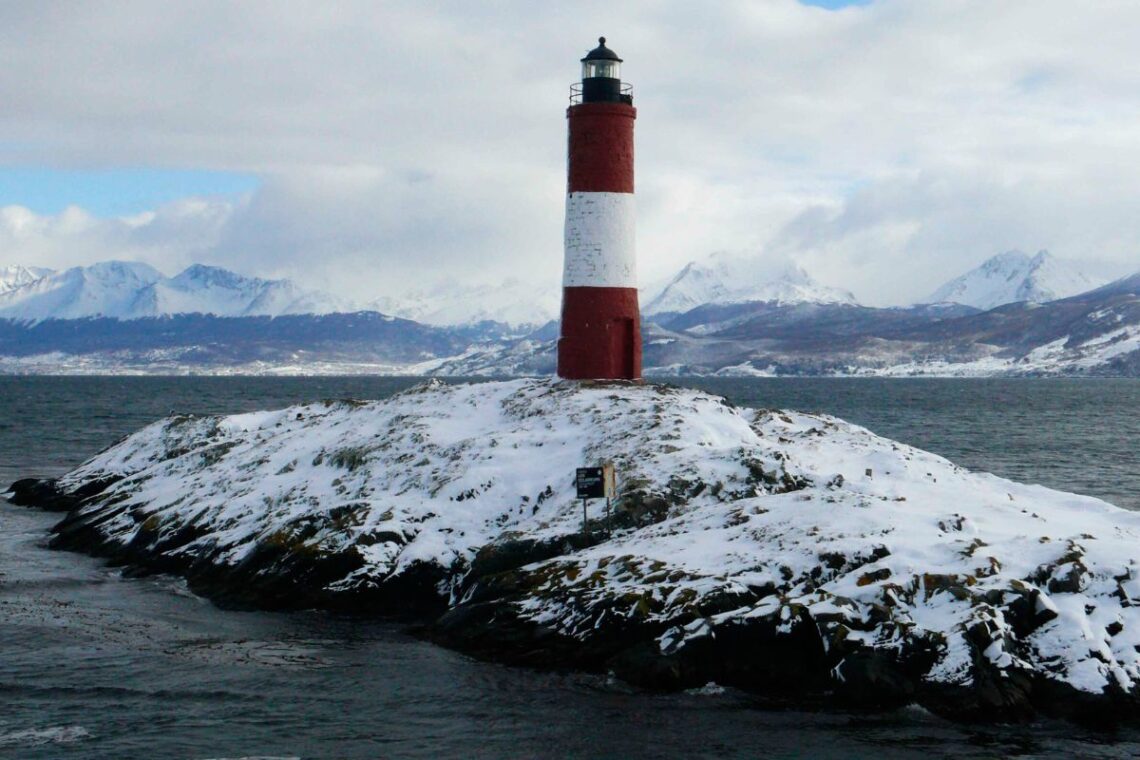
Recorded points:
(256, 757)
(710, 689)
(31, 737)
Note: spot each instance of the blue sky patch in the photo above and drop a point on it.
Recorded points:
(834, 4)
(113, 192)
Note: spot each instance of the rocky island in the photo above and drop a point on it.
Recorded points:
(796, 556)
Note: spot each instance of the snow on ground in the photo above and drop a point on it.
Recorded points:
(910, 532)
(882, 544)
(413, 464)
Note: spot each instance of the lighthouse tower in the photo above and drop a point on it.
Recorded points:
(601, 331)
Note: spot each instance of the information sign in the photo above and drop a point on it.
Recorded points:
(590, 482)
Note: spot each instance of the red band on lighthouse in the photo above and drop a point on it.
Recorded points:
(601, 148)
(601, 328)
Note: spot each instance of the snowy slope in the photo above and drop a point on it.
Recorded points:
(1015, 276)
(450, 303)
(724, 278)
(130, 290)
(736, 526)
(16, 276)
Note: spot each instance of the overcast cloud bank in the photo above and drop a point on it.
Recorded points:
(886, 147)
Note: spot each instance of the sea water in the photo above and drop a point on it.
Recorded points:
(93, 664)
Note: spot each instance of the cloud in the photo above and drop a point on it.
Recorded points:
(887, 147)
(174, 235)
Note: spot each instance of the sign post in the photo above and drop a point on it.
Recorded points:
(590, 484)
(595, 483)
(609, 478)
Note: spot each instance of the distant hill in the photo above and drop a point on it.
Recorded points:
(207, 342)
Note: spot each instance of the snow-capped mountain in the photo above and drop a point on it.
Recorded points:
(16, 276)
(130, 290)
(1015, 276)
(724, 278)
(449, 303)
(213, 290)
(106, 289)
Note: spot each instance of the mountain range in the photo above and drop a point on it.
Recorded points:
(725, 315)
(131, 290)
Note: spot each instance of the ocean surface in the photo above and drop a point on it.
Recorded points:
(95, 665)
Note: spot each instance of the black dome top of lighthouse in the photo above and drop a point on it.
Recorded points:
(601, 53)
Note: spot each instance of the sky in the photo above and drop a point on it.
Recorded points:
(375, 147)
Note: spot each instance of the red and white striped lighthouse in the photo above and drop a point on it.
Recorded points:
(601, 330)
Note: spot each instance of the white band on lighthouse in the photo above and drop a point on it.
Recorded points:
(600, 250)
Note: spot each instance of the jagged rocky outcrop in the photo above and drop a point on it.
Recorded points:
(796, 556)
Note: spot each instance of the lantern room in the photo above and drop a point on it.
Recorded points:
(601, 76)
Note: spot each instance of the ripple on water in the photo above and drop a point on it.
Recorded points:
(305, 654)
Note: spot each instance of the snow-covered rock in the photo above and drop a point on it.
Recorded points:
(1015, 276)
(726, 278)
(449, 303)
(131, 290)
(791, 554)
(17, 276)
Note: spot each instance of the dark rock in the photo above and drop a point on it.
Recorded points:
(33, 492)
(874, 680)
(46, 494)
(286, 571)
(789, 667)
(501, 556)
(488, 630)
(1068, 578)
(1025, 613)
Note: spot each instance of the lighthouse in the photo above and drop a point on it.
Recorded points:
(601, 331)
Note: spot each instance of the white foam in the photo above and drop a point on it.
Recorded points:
(31, 737)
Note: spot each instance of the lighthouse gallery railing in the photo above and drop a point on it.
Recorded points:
(576, 93)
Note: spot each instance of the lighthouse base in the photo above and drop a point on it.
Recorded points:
(601, 334)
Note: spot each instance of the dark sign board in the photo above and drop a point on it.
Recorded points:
(591, 483)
